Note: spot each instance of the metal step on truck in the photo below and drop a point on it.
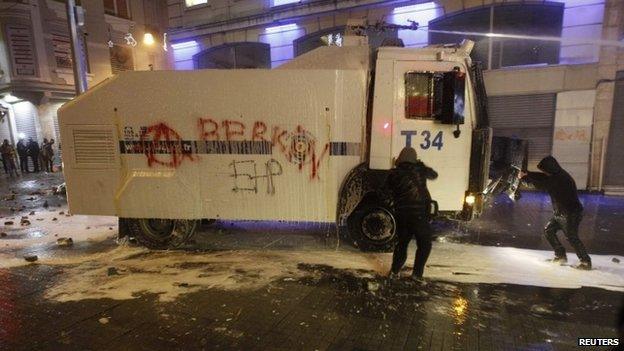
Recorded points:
(310, 141)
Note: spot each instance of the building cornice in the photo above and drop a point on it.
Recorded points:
(277, 15)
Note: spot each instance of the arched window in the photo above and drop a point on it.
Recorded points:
(234, 55)
(530, 20)
(333, 36)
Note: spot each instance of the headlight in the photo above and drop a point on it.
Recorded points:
(470, 199)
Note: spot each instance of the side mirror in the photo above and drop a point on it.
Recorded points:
(451, 89)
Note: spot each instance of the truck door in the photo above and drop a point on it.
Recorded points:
(423, 104)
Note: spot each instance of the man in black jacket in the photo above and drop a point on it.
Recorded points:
(22, 152)
(568, 211)
(33, 152)
(408, 184)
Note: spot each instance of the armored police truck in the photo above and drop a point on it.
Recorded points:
(310, 141)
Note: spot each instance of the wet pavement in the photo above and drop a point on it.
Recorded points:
(520, 223)
(314, 307)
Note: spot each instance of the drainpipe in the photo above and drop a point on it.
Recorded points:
(80, 72)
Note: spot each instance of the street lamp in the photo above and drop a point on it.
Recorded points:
(148, 39)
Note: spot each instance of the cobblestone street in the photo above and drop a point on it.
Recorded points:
(305, 303)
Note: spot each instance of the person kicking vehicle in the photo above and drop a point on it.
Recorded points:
(568, 211)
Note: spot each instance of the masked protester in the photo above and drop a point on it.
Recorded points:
(568, 211)
(411, 198)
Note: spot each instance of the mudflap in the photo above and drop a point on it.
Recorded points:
(509, 158)
(123, 228)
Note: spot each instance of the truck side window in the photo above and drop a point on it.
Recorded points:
(419, 95)
(435, 95)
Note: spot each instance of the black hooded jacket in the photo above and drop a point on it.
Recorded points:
(559, 185)
(408, 184)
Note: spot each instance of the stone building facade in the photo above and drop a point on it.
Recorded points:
(36, 75)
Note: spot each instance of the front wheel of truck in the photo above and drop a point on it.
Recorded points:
(372, 227)
(161, 234)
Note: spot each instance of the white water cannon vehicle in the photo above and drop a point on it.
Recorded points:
(310, 141)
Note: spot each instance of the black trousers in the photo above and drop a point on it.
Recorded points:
(35, 160)
(23, 163)
(569, 224)
(412, 225)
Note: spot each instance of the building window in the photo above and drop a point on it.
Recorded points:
(119, 8)
(191, 3)
(63, 54)
(545, 19)
(283, 2)
(21, 50)
(62, 50)
(234, 55)
(121, 59)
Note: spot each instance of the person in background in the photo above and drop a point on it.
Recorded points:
(33, 152)
(8, 158)
(43, 155)
(411, 202)
(22, 152)
(4, 165)
(568, 211)
(51, 154)
(47, 155)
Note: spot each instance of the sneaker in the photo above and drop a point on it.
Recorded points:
(420, 281)
(558, 259)
(584, 265)
(393, 276)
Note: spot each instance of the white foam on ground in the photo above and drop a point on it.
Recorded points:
(171, 274)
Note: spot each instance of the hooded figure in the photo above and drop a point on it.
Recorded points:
(408, 185)
(568, 211)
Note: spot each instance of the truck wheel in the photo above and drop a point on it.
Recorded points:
(372, 228)
(162, 234)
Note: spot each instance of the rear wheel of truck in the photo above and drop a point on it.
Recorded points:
(372, 227)
(162, 234)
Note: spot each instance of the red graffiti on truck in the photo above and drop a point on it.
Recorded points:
(298, 146)
(162, 145)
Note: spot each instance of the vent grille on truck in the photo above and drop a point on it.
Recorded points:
(94, 147)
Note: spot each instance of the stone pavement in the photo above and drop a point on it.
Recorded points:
(326, 309)
(330, 310)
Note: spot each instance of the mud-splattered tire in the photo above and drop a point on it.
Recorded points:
(372, 227)
(161, 234)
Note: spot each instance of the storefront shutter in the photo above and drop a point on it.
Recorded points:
(528, 117)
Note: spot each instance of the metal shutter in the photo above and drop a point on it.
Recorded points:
(613, 168)
(26, 120)
(529, 117)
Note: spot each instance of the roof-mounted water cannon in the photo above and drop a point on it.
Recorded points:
(358, 30)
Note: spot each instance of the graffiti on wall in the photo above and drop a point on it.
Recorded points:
(163, 146)
(245, 175)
